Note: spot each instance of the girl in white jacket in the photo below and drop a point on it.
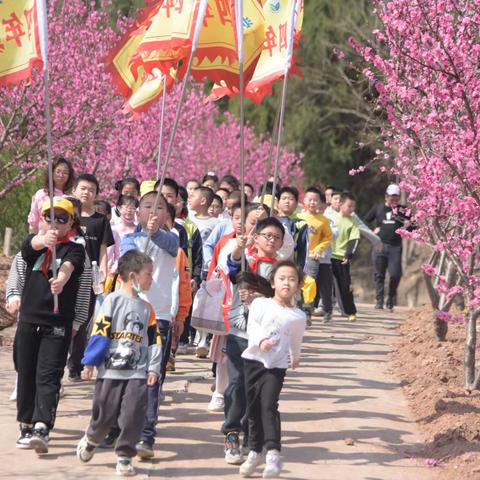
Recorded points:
(275, 330)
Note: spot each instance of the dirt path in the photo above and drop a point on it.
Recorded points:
(345, 390)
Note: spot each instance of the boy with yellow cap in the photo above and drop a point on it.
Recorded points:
(43, 333)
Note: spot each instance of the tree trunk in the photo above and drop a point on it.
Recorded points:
(470, 348)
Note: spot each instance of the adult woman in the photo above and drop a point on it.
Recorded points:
(63, 177)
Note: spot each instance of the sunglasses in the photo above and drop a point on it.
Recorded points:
(60, 219)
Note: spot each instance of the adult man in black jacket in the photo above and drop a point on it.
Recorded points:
(388, 217)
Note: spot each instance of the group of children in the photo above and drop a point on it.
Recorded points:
(153, 250)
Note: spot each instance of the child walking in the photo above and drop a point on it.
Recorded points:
(126, 348)
(162, 249)
(43, 334)
(275, 330)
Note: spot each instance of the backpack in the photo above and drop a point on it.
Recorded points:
(212, 304)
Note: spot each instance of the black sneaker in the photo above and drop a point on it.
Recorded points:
(74, 377)
(390, 304)
(23, 440)
(39, 440)
(379, 306)
(110, 439)
(144, 449)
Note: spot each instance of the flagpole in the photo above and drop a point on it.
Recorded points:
(293, 20)
(43, 33)
(198, 26)
(162, 124)
(239, 25)
(268, 163)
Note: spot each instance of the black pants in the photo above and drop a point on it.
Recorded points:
(341, 272)
(234, 396)
(79, 342)
(188, 334)
(390, 257)
(122, 403)
(322, 273)
(263, 391)
(40, 354)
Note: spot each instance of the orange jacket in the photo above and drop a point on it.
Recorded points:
(216, 252)
(184, 286)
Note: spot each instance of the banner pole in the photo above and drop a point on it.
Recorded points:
(162, 125)
(239, 27)
(198, 26)
(43, 33)
(268, 163)
(293, 20)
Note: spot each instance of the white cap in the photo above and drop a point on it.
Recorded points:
(393, 189)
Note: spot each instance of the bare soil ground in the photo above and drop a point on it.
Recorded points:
(432, 378)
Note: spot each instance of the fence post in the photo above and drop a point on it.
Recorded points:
(7, 241)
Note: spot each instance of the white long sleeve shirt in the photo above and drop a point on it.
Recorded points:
(284, 326)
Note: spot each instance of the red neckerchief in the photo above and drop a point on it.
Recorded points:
(47, 260)
(256, 260)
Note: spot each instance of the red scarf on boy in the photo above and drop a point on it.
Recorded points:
(47, 260)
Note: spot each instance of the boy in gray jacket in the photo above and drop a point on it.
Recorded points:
(125, 347)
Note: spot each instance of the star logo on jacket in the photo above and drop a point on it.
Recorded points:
(102, 327)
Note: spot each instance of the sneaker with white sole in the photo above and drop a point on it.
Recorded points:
(273, 465)
(39, 438)
(233, 454)
(327, 318)
(13, 395)
(125, 467)
(23, 440)
(144, 449)
(86, 449)
(249, 466)
(217, 403)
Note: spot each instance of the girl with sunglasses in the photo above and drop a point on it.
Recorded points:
(44, 332)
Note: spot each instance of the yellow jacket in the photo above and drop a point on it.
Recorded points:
(320, 235)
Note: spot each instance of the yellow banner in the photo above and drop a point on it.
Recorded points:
(19, 40)
(272, 61)
(271, 64)
(216, 56)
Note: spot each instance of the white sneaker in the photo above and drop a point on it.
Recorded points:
(85, 449)
(125, 467)
(253, 460)
(273, 465)
(217, 403)
(23, 440)
(233, 454)
(39, 438)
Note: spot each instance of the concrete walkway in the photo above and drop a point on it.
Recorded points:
(344, 417)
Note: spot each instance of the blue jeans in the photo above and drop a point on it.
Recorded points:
(153, 391)
(235, 395)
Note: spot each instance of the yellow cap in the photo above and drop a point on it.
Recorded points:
(267, 200)
(58, 202)
(147, 186)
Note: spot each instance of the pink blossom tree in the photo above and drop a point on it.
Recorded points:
(89, 128)
(424, 64)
